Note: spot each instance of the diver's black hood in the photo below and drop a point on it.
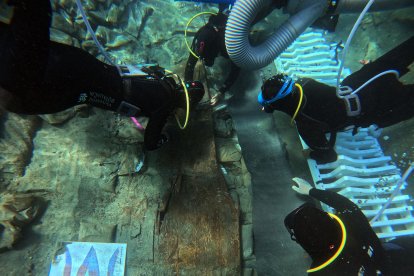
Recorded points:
(314, 230)
(209, 40)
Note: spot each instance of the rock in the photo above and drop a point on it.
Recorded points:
(63, 22)
(372, 52)
(5, 13)
(103, 34)
(119, 41)
(227, 150)
(90, 46)
(16, 211)
(97, 18)
(109, 184)
(63, 116)
(113, 14)
(223, 124)
(404, 16)
(16, 145)
(60, 37)
(130, 160)
(249, 272)
(65, 4)
(133, 25)
(247, 240)
(126, 132)
(96, 231)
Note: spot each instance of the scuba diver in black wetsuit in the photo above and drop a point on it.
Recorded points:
(39, 76)
(209, 43)
(384, 101)
(344, 243)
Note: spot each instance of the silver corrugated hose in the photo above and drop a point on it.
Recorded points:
(238, 26)
(305, 12)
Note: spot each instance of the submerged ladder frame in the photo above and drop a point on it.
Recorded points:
(362, 172)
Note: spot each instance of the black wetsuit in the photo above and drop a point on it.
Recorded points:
(384, 102)
(46, 77)
(215, 42)
(363, 251)
(228, 83)
(214, 46)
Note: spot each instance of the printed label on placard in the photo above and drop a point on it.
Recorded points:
(85, 258)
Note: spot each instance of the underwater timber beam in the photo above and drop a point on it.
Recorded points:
(198, 223)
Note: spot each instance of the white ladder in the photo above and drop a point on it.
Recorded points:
(362, 173)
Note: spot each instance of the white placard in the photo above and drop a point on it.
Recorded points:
(86, 258)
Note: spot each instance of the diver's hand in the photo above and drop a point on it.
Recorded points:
(216, 98)
(303, 187)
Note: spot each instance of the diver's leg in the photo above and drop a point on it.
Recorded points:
(58, 76)
(394, 105)
(47, 77)
(398, 59)
(74, 77)
(25, 49)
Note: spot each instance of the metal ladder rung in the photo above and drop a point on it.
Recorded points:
(362, 134)
(390, 211)
(345, 181)
(395, 234)
(311, 41)
(306, 49)
(367, 153)
(319, 76)
(354, 191)
(359, 144)
(329, 68)
(379, 201)
(345, 160)
(309, 35)
(347, 170)
(293, 64)
(393, 222)
(310, 57)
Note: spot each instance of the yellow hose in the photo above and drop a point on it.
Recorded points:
(187, 115)
(186, 27)
(341, 246)
(300, 102)
(187, 99)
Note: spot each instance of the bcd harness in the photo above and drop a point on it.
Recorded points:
(146, 72)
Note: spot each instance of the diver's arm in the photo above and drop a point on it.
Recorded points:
(189, 67)
(231, 78)
(335, 200)
(153, 139)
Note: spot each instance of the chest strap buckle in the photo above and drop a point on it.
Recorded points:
(352, 104)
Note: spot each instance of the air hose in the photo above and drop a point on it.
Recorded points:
(397, 189)
(346, 47)
(88, 26)
(242, 15)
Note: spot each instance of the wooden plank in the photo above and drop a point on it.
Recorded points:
(198, 224)
(200, 230)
